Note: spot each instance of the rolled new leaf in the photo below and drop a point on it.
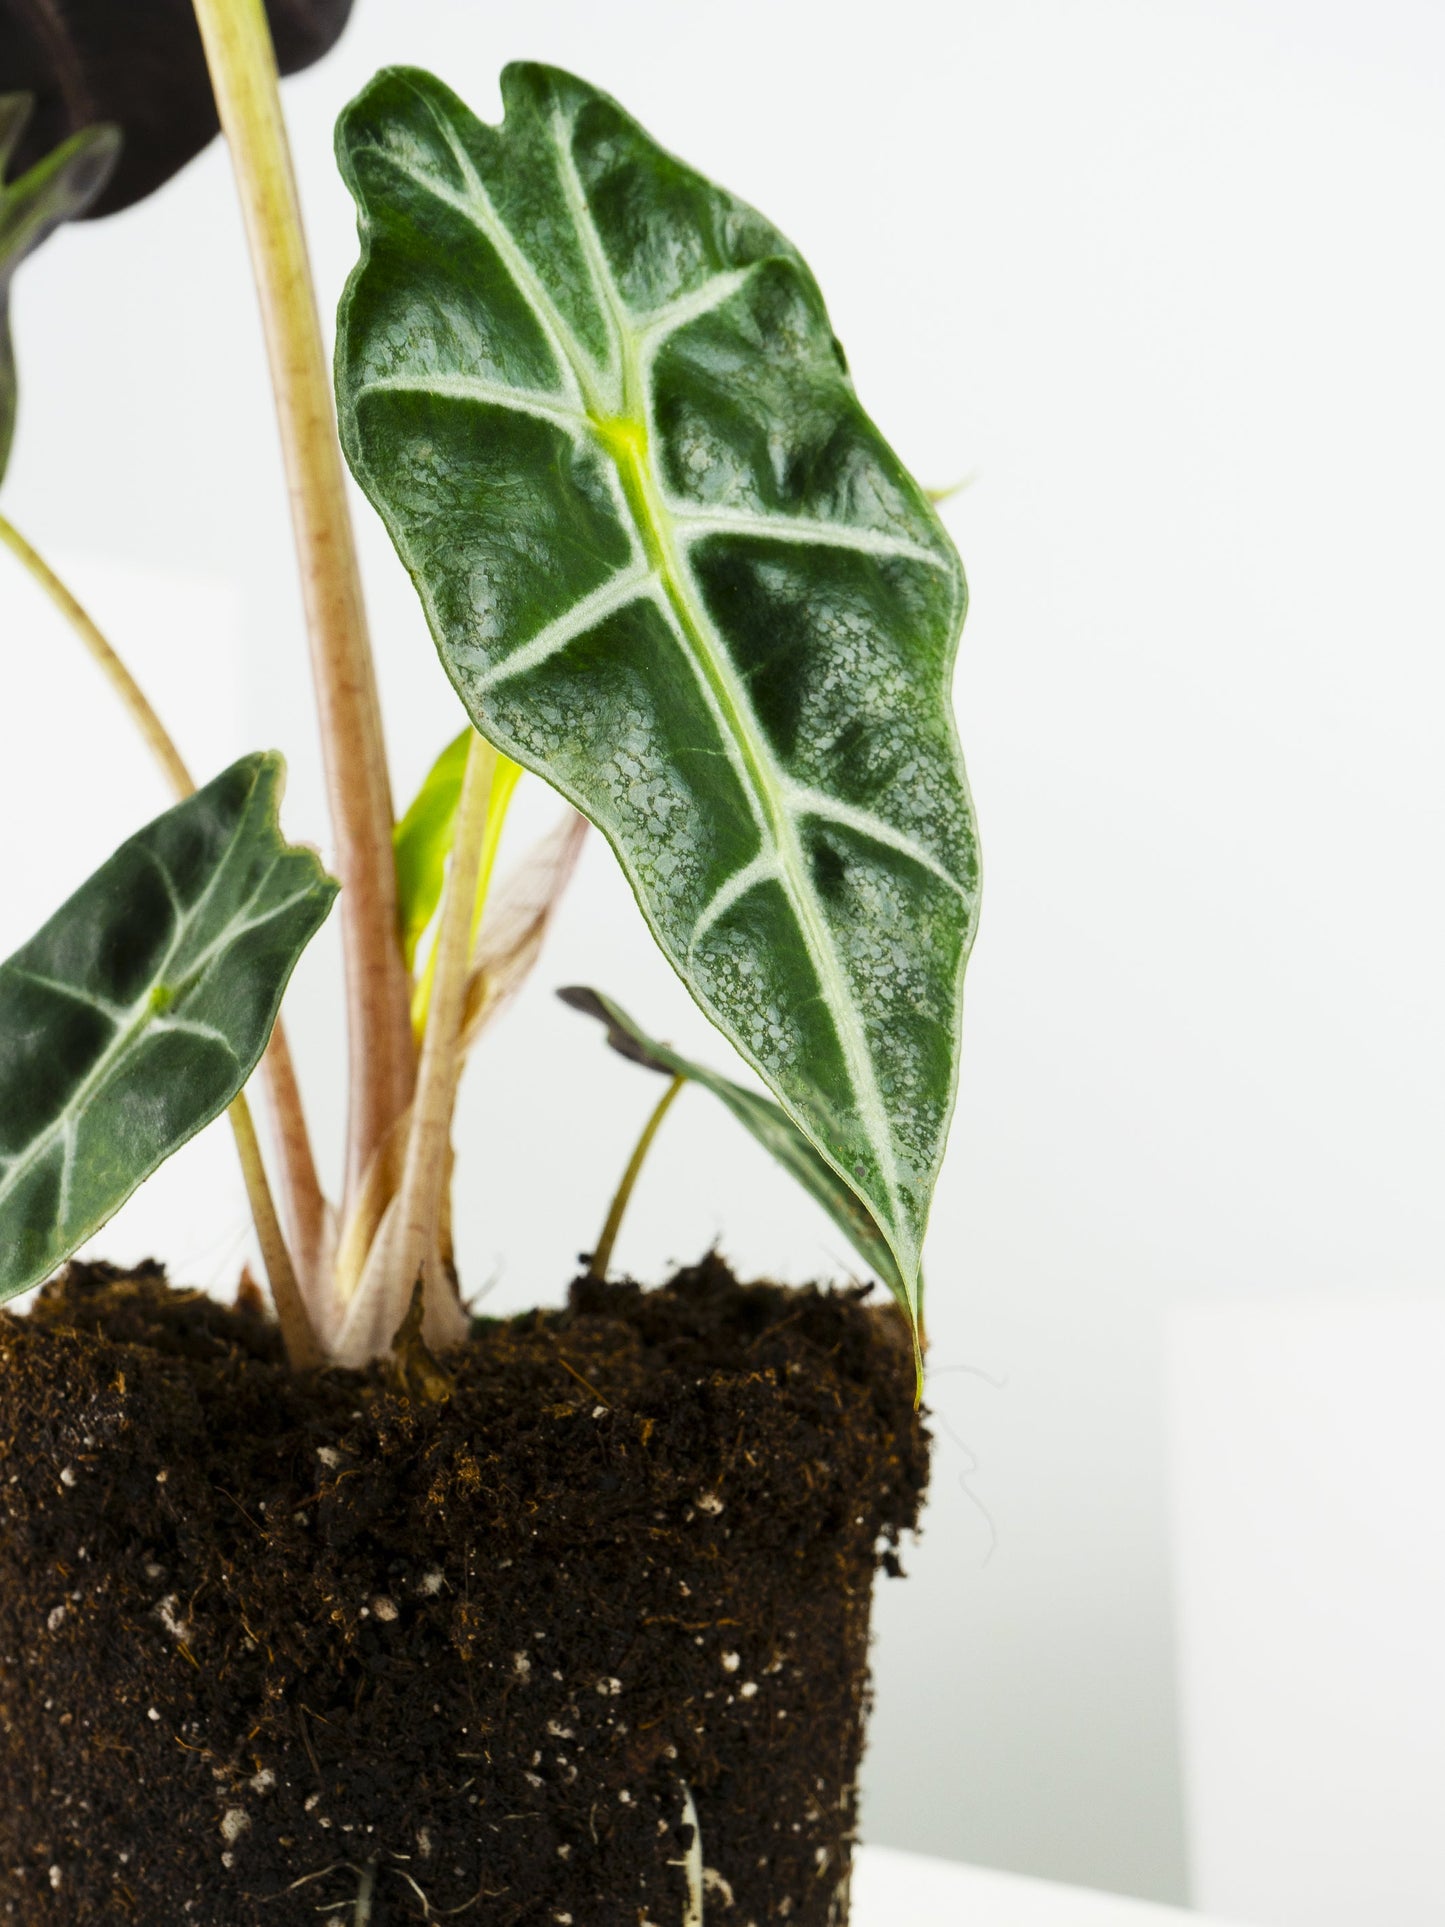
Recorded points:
(770, 1125)
(139, 64)
(671, 565)
(422, 840)
(57, 188)
(140, 1009)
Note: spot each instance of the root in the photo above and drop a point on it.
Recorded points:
(691, 1864)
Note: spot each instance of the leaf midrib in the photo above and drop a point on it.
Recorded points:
(143, 1013)
(624, 432)
(766, 782)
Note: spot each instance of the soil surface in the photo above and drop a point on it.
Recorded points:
(280, 1649)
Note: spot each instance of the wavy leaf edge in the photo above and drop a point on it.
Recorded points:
(601, 423)
(104, 925)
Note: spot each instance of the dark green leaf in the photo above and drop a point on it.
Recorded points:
(142, 1007)
(670, 564)
(56, 189)
(138, 63)
(422, 841)
(770, 1125)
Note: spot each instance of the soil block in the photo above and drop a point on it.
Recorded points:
(280, 1649)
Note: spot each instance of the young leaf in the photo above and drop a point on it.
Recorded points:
(56, 189)
(140, 1009)
(138, 63)
(670, 564)
(516, 923)
(772, 1128)
(421, 841)
(518, 913)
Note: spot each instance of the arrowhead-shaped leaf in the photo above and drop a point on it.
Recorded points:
(138, 1012)
(670, 564)
(56, 189)
(770, 1125)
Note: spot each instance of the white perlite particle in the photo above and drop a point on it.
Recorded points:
(55, 1878)
(430, 1583)
(153, 1715)
(234, 1822)
(748, 1688)
(54, 1619)
(263, 1781)
(521, 1666)
(708, 1502)
(168, 1614)
(731, 1662)
(67, 1475)
(329, 1456)
(609, 1688)
(385, 1608)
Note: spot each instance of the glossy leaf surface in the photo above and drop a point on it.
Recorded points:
(670, 564)
(56, 189)
(139, 1010)
(139, 64)
(770, 1125)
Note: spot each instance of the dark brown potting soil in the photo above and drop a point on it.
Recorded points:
(278, 1650)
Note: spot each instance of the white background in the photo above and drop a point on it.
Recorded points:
(1168, 277)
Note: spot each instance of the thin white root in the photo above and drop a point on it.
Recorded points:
(692, 1864)
(365, 1888)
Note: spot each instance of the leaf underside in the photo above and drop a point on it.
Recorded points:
(768, 1123)
(670, 564)
(56, 189)
(139, 1010)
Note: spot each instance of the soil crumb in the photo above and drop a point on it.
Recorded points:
(280, 1649)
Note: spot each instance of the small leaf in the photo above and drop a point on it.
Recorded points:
(671, 565)
(56, 189)
(771, 1126)
(421, 841)
(513, 930)
(140, 64)
(517, 921)
(140, 1009)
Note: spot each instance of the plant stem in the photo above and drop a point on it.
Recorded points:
(505, 776)
(301, 1188)
(602, 1256)
(304, 1201)
(242, 64)
(156, 734)
(297, 1332)
(419, 1201)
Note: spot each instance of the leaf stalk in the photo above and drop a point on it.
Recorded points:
(301, 1187)
(242, 65)
(602, 1256)
(409, 1246)
(303, 1348)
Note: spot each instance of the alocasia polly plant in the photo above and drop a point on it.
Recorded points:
(139, 66)
(138, 1012)
(57, 188)
(671, 566)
